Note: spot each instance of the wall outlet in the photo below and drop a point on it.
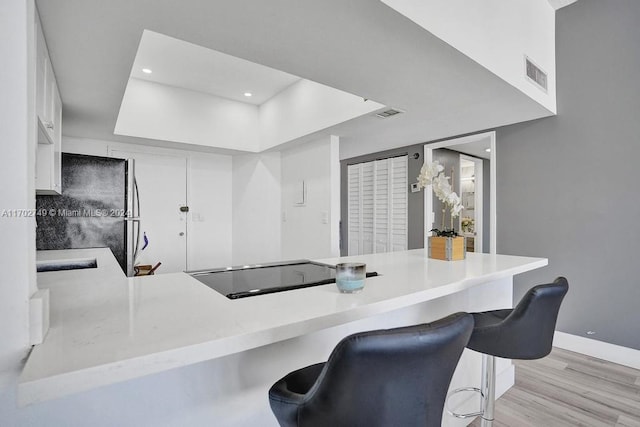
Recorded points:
(414, 187)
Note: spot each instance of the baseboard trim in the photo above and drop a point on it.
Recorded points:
(602, 350)
(505, 380)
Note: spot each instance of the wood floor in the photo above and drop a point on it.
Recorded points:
(570, 389)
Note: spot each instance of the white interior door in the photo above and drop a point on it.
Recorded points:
(162, 183)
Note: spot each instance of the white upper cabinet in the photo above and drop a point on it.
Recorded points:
(49, 112)
(41, 71)
(48, 104)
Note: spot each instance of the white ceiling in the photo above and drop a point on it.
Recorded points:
(559, 4)
(475, 148)
(182, 64)
(361, 47)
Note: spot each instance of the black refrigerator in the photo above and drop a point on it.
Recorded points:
(99, 207)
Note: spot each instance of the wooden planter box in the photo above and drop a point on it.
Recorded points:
(447, 248)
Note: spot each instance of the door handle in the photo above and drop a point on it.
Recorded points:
(181, 233)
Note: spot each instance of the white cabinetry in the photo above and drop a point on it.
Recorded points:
(49, 112)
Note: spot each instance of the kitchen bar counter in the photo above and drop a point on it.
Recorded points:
(107, 328)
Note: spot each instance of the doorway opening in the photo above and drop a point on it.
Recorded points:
(473, 159)
(470, 221)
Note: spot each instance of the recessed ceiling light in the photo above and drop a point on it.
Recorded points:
(248, 94)
(488, 150)
(147, 70)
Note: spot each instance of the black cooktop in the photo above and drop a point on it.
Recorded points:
(248, 281)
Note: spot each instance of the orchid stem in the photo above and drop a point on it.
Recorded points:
(453, 187)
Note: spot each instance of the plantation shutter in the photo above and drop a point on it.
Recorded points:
(367, 200)
(377, 206)
(382, 211)
(353, 208)
(399, 218)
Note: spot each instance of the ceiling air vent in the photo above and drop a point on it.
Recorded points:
(535, 74)
(388, 113)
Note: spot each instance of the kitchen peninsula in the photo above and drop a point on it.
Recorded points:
(107, 328)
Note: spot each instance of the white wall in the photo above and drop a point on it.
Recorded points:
(208, 195)
(311, 230)
(334, 161)
(157, 111)
(306, 107)
(256, 208)
(266, 224)
(496, 34)
(17, 175)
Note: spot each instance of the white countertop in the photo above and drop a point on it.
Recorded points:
(107, 328)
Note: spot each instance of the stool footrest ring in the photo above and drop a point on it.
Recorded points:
(460, 390)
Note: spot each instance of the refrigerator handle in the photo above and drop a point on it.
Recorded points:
(137, 247)
(132, 219)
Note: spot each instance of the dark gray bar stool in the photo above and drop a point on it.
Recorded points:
(525, 332)
(393, 377)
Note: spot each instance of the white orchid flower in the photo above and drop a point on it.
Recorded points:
(455, 204)
(441, 187)
(453, 199)
(431, 173)
(433, 169)
(423, 181)
(428, 172)
(456, 209)
(440, 194)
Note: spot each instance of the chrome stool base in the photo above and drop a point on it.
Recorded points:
(487, 393)
(465, 415)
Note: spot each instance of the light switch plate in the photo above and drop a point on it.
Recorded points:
(414, 187)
